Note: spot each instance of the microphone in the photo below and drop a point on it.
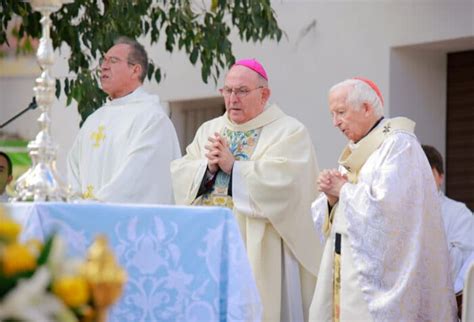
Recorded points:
(31, 106)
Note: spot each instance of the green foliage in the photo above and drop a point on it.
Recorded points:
(89, 27)
(46, 251)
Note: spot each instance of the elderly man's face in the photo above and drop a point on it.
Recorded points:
(4, 177)
(250, 99)
(354, 124)
(118, 77)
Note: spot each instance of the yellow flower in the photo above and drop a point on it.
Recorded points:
(73, 290)
(17, 258)
(9, 229)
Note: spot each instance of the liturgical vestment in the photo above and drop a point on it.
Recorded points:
(123, 152)
(386, 232)
(459, 227)
(273, 183)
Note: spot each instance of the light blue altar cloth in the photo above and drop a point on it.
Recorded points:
(183, 263)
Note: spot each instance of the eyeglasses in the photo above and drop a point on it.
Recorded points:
(113, 60)
(238, 92)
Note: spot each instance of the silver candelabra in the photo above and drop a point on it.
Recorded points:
(42, 181)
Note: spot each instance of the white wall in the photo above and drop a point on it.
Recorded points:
(15, 95)
(418, 80)
(418, 89)
(364, 38)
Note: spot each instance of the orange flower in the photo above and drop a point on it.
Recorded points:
(17, 258)
(73, 290)
(9, 229)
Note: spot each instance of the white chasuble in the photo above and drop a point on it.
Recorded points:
(390, 221)
(123, 152)
(272, 190)
(459, 227)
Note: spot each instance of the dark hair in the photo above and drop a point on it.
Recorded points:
(137, 54)
(9, 162)
(434, 158)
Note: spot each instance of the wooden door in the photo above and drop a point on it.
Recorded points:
(460, 127)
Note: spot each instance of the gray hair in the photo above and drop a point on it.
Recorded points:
(360, 93)
(137, 54)
(261, 81)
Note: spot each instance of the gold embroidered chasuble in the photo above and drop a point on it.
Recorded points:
(242, 145)
(278, 175)
(393, 264)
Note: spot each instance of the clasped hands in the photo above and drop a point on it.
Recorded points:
(330, 181)
(219, 155)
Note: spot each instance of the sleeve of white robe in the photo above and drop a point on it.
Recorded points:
(459, 225)
(145, 176)
(188, 171)
(320, 211)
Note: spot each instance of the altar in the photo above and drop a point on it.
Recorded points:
(183, 263)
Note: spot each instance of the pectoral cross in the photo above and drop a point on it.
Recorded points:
(98, 136)
(89, 193)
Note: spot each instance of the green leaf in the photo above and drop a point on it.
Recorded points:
(151, 69)
(66, 87)
(158, 75)
(58, 88)
(194, 55)
(7, 283)
(45, 252)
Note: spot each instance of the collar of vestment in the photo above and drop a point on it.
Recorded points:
(136, 96)
(269, 114)
(354, 155)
